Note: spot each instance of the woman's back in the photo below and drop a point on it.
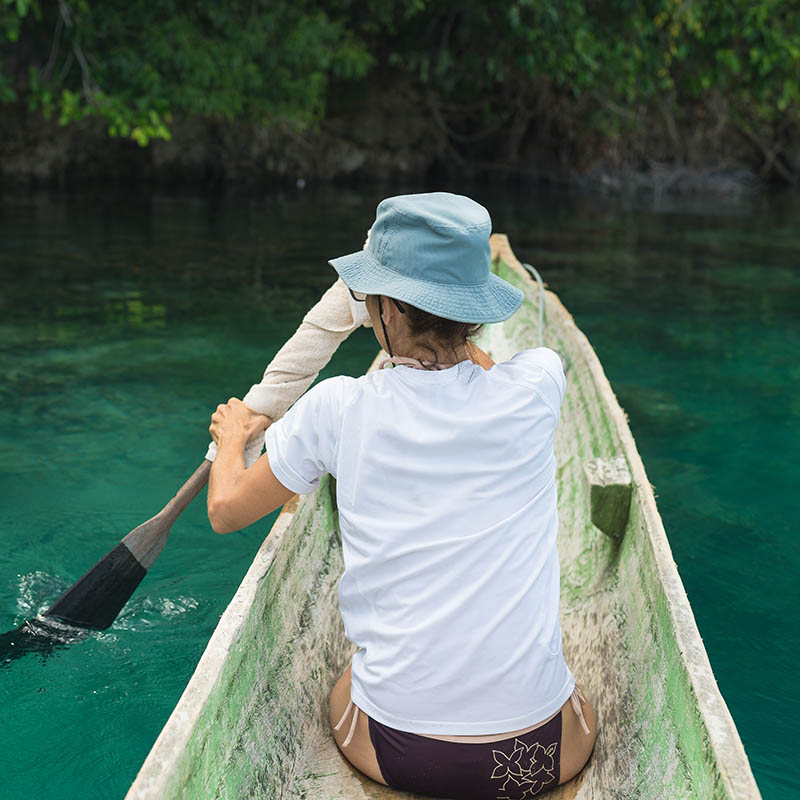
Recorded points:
(447, 503)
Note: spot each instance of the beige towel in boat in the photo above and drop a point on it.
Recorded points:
(297, 364)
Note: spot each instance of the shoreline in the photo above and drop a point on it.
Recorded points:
(384, 147)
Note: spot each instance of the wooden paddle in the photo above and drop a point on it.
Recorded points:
(95, 599)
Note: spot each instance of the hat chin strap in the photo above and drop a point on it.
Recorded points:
(383, 325)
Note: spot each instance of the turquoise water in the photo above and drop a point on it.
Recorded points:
(125, 319)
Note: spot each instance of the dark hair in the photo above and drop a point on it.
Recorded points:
(431, 331)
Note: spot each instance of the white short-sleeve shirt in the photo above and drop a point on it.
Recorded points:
(445, 484)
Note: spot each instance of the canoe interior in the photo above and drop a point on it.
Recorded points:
(253, 720)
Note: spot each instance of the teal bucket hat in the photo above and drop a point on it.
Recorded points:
(432, 250)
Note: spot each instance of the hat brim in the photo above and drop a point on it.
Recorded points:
(493, 301)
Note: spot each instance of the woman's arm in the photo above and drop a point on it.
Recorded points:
(296, 365)
(237, 497)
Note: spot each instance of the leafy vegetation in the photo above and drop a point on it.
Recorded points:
(661, 76)
(136, 62)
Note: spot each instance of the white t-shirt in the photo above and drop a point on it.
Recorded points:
(445, 484)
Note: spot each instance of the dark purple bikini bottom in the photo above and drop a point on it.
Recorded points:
(510, 769)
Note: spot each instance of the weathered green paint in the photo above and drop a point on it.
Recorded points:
(253, 720)
(281, 638)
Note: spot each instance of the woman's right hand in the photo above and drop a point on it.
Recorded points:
(236, 419)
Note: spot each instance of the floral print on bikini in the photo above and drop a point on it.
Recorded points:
(525, 771)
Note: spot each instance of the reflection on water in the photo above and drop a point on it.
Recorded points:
(125, 319)
(40, 636)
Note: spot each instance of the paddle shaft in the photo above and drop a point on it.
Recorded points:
(176, 506)
(187, 492)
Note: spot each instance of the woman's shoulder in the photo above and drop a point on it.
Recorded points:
(344, 389)
(338, 389)
(541, 369)
(539, 358)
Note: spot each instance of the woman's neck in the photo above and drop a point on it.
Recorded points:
(433, 354)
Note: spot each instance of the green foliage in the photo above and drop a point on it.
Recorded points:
(620, 53)
(12, 13)
(598, 65)
(135, 63)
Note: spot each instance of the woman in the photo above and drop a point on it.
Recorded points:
(447, 508)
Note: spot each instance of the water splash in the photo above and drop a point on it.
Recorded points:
(43, 635)
(146, 610)
(36, 592)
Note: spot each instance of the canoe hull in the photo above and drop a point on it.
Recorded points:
(253, 721)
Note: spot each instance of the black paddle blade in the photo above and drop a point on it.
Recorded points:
(39, 636)
(96, 599)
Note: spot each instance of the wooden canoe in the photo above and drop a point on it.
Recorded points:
(253, 720)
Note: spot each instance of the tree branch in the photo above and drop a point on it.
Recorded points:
(89, 84)
(435, 108)
(771, 156)
(54, 48)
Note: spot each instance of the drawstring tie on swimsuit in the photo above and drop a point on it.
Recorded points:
(577, 699)
(413, 362)
(352, 724)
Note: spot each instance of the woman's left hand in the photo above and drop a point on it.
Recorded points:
(234, 419)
